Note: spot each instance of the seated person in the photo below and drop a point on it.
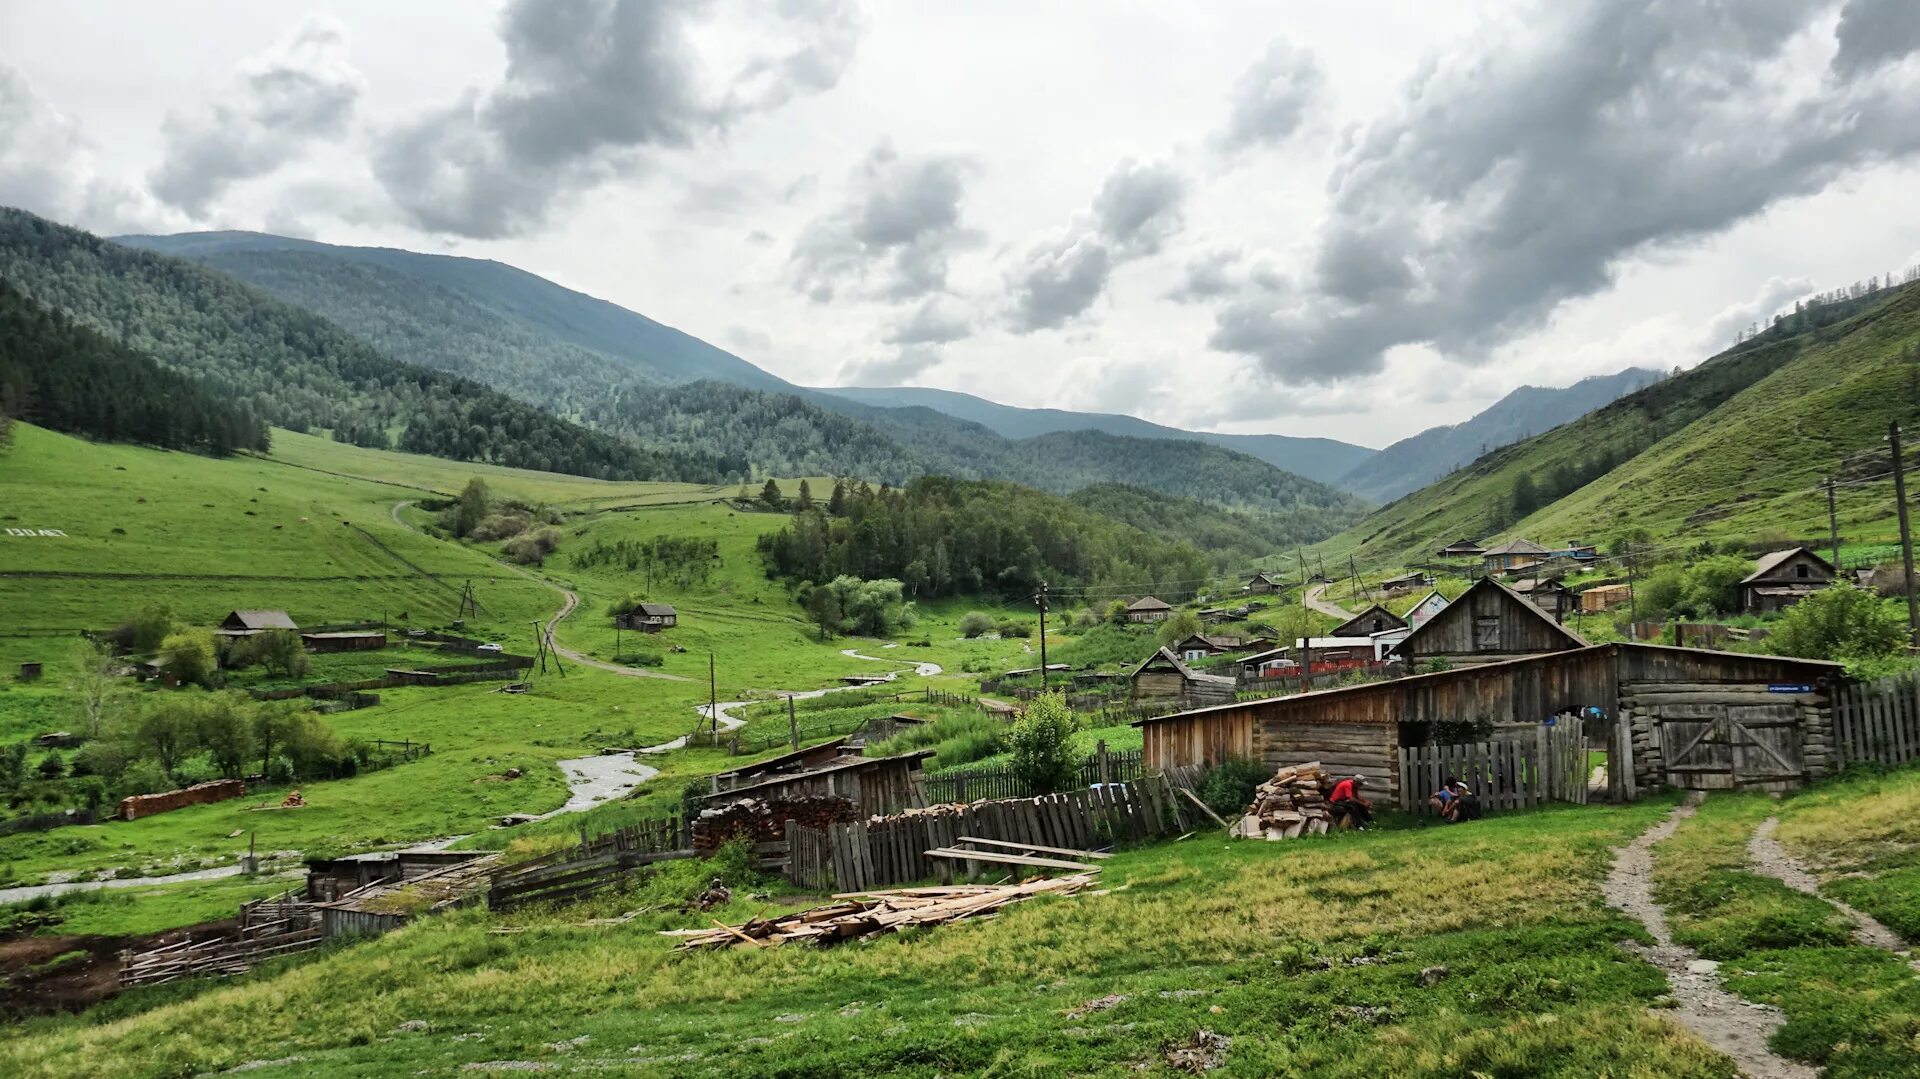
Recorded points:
(1443, 800)
(1347, 805)
(1466, 804)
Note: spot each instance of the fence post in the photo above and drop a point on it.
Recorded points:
(1542, 765)
(1100, 752)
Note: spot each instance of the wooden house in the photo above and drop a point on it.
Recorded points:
(1406, 582)
(1548, 594)
(1784, 578)
(1202, 645)
(1680, 717)
(1262, 584)
(1604, 597)
(1461, 549)
(651, 617)
(1512, 555)
(874, 785)
(1488, 623)
(360, 640)
(1575, 550)
(1163, 676)
(1429, 605)
(248, 623)
(1149, 609)
(1374, 619)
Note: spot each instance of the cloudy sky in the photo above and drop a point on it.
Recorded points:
(1353, 219)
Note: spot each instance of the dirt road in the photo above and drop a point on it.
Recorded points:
(1314, 599)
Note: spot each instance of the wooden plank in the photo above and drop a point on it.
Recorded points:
(1067, 851)
(1012, 859)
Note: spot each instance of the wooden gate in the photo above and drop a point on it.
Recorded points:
(1732, 746)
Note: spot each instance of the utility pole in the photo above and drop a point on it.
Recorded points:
(793, 726)
(1040, 601)
(713, 697)
(1906, 537)
(1833, 525)
(539, 646)
(616, 637)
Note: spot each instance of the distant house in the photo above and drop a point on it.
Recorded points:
(1784, 578)
(1488, 623)
(1260, 584)
(1461, 549)
(1549, 595)
(1579, 552)
(1604, 597)
(248, 623)
(365, 640)
(1406, 582)
(651, 617)
(1149, 609)
(1165, 677)
(1202, 645)
(1512, 555)
(1374, 619)
(1430, 604)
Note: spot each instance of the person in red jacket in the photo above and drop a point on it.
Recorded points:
(1346, 803)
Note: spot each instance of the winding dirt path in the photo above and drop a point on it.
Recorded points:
(1722, 1020)
(1315, 599)
(1766, 855)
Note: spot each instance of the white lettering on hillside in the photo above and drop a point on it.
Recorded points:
(50, 533)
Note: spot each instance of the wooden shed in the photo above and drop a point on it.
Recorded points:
(1685, 717)
(246, 623)
(651, 617)
(1488, 623)
(875, 785)
(800, 760)
(1262, 584)
(1375, 619)
(1163, 676)
(345, 641)
(1784, 578)
(1461, 549)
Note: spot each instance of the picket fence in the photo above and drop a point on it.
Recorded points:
(1878, 722)
(880, 853)
(1516, 774)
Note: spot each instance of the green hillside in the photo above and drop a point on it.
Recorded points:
(1731, 447)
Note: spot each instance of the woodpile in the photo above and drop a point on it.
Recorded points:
(862, 914)
(762, 820)
(146, 805)
(1291, 804)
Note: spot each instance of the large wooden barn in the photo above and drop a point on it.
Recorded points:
(1691, 718)
(1488, 623)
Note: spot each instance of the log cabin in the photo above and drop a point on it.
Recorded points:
(1488, 623)
(1783, 578)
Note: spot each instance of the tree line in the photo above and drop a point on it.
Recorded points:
(940, 536)
(69, 378)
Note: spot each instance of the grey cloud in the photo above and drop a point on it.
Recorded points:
(591, 87)
(900, 224)
(1514, 175)
(1874, 32)
(1273, 97)
(1059, 281)
(1208, 276)
(302, 90)
(1774, 294)
(931, 323)
(1138, 208)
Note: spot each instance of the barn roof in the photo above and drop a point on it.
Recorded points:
(840, 764)
(1774, 560)
(262, 619)
(1480, 670)
(1149, 603)
(656, 610)
(1523, 602)
(1342, 630)
(1186, 672)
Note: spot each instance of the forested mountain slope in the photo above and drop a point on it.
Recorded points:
(293, 368)
(1234, 541)
(430, 309)
(1322, 459)
(1728, 447)
(1414, 462)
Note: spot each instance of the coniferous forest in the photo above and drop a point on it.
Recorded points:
(69, 378)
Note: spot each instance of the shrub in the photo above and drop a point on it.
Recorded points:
(1040, 741)
(142, 633)
(188, 656)
(1228, 787)
(532, 548)
(1013, 630)
(975, 623)
(1179, 627)
(500, 526)
(1841, 623)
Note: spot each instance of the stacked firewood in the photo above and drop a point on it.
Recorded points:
(762, 820)
(1291, 804)
(860, 914)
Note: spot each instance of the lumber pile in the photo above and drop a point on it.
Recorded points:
(860, 914)
(764, 820)
(146, 805)
(1291, 804)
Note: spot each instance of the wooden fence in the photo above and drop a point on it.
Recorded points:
(219, 956)
(44, 822)
(591, 866)
(881, 853)
(973, 784)
(1878, 722)
(1503, 775)
(809, 857)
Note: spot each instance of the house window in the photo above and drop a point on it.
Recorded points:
(1486, 632)
(1800, 571)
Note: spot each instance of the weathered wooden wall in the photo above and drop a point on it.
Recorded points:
(1200, 740)
(1518, 629)
(1369, 750)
